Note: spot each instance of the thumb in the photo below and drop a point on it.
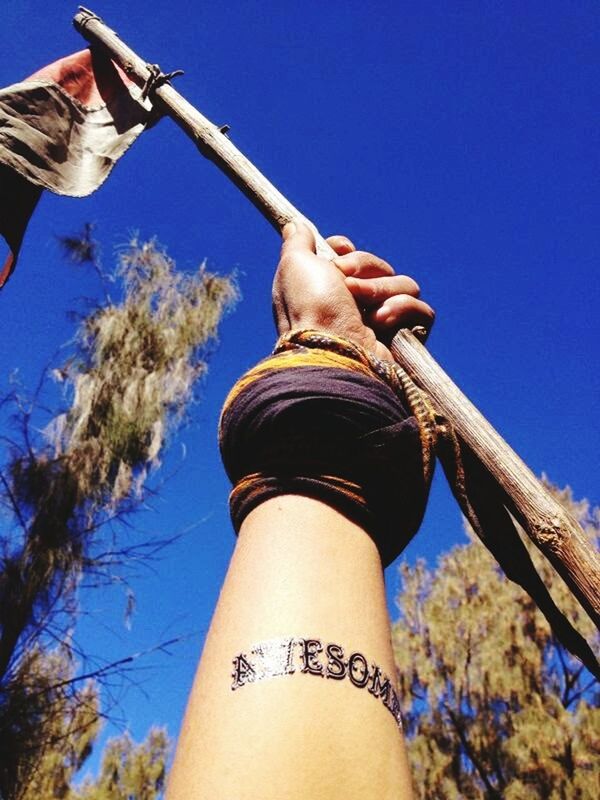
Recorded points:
(297, 238)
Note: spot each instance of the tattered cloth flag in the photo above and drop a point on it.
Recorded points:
(63, 129)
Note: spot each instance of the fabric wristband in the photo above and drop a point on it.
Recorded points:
(321, 423)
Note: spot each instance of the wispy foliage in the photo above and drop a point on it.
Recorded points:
(129, 770)
(138, 364)
(81, 248)
(71, 721)
(495, 706)
(133, 375)
(48, 723)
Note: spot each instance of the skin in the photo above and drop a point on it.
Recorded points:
(356, 295)
(302, 569)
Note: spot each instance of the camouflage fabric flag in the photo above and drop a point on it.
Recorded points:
(63, 129)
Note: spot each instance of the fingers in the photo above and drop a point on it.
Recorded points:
(299, 234)
(356, 294)
(297, 238)
(363, 265)
(375, 291)
(341, 244)
(400, 311)
(390, 303)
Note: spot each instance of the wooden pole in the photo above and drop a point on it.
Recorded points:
(555, 532)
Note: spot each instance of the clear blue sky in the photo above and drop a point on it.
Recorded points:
(457, 140)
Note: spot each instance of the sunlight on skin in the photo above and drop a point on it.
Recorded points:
(299, 569)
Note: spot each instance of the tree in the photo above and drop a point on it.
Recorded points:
(130, 379)
(494, 705)
(71, 722)
(48, 728)
(129, 770)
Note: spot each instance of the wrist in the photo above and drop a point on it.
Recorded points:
(323, 418)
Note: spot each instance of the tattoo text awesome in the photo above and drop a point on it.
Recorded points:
(286, 656)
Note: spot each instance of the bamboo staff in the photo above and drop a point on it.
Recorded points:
(550, 527)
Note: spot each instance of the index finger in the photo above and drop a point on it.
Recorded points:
(341, 244)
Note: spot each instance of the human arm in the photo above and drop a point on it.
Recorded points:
(302, 570)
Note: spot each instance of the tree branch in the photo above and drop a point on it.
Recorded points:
(492, 792)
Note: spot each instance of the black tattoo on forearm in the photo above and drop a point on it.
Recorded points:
(277, 657)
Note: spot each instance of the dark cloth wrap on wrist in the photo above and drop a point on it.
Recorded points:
(319, 423)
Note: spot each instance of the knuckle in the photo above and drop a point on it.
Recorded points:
(405, 302)
(377, 287)
(343, 264)
(361, 259)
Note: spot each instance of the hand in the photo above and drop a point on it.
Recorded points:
(355, 295)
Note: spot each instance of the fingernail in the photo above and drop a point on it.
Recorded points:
(289, 229)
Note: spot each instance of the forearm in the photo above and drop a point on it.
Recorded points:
(295, 694)
(300, 570)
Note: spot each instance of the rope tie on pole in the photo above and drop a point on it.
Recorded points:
(156, 79)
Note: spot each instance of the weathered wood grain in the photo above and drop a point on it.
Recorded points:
(545, 520)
